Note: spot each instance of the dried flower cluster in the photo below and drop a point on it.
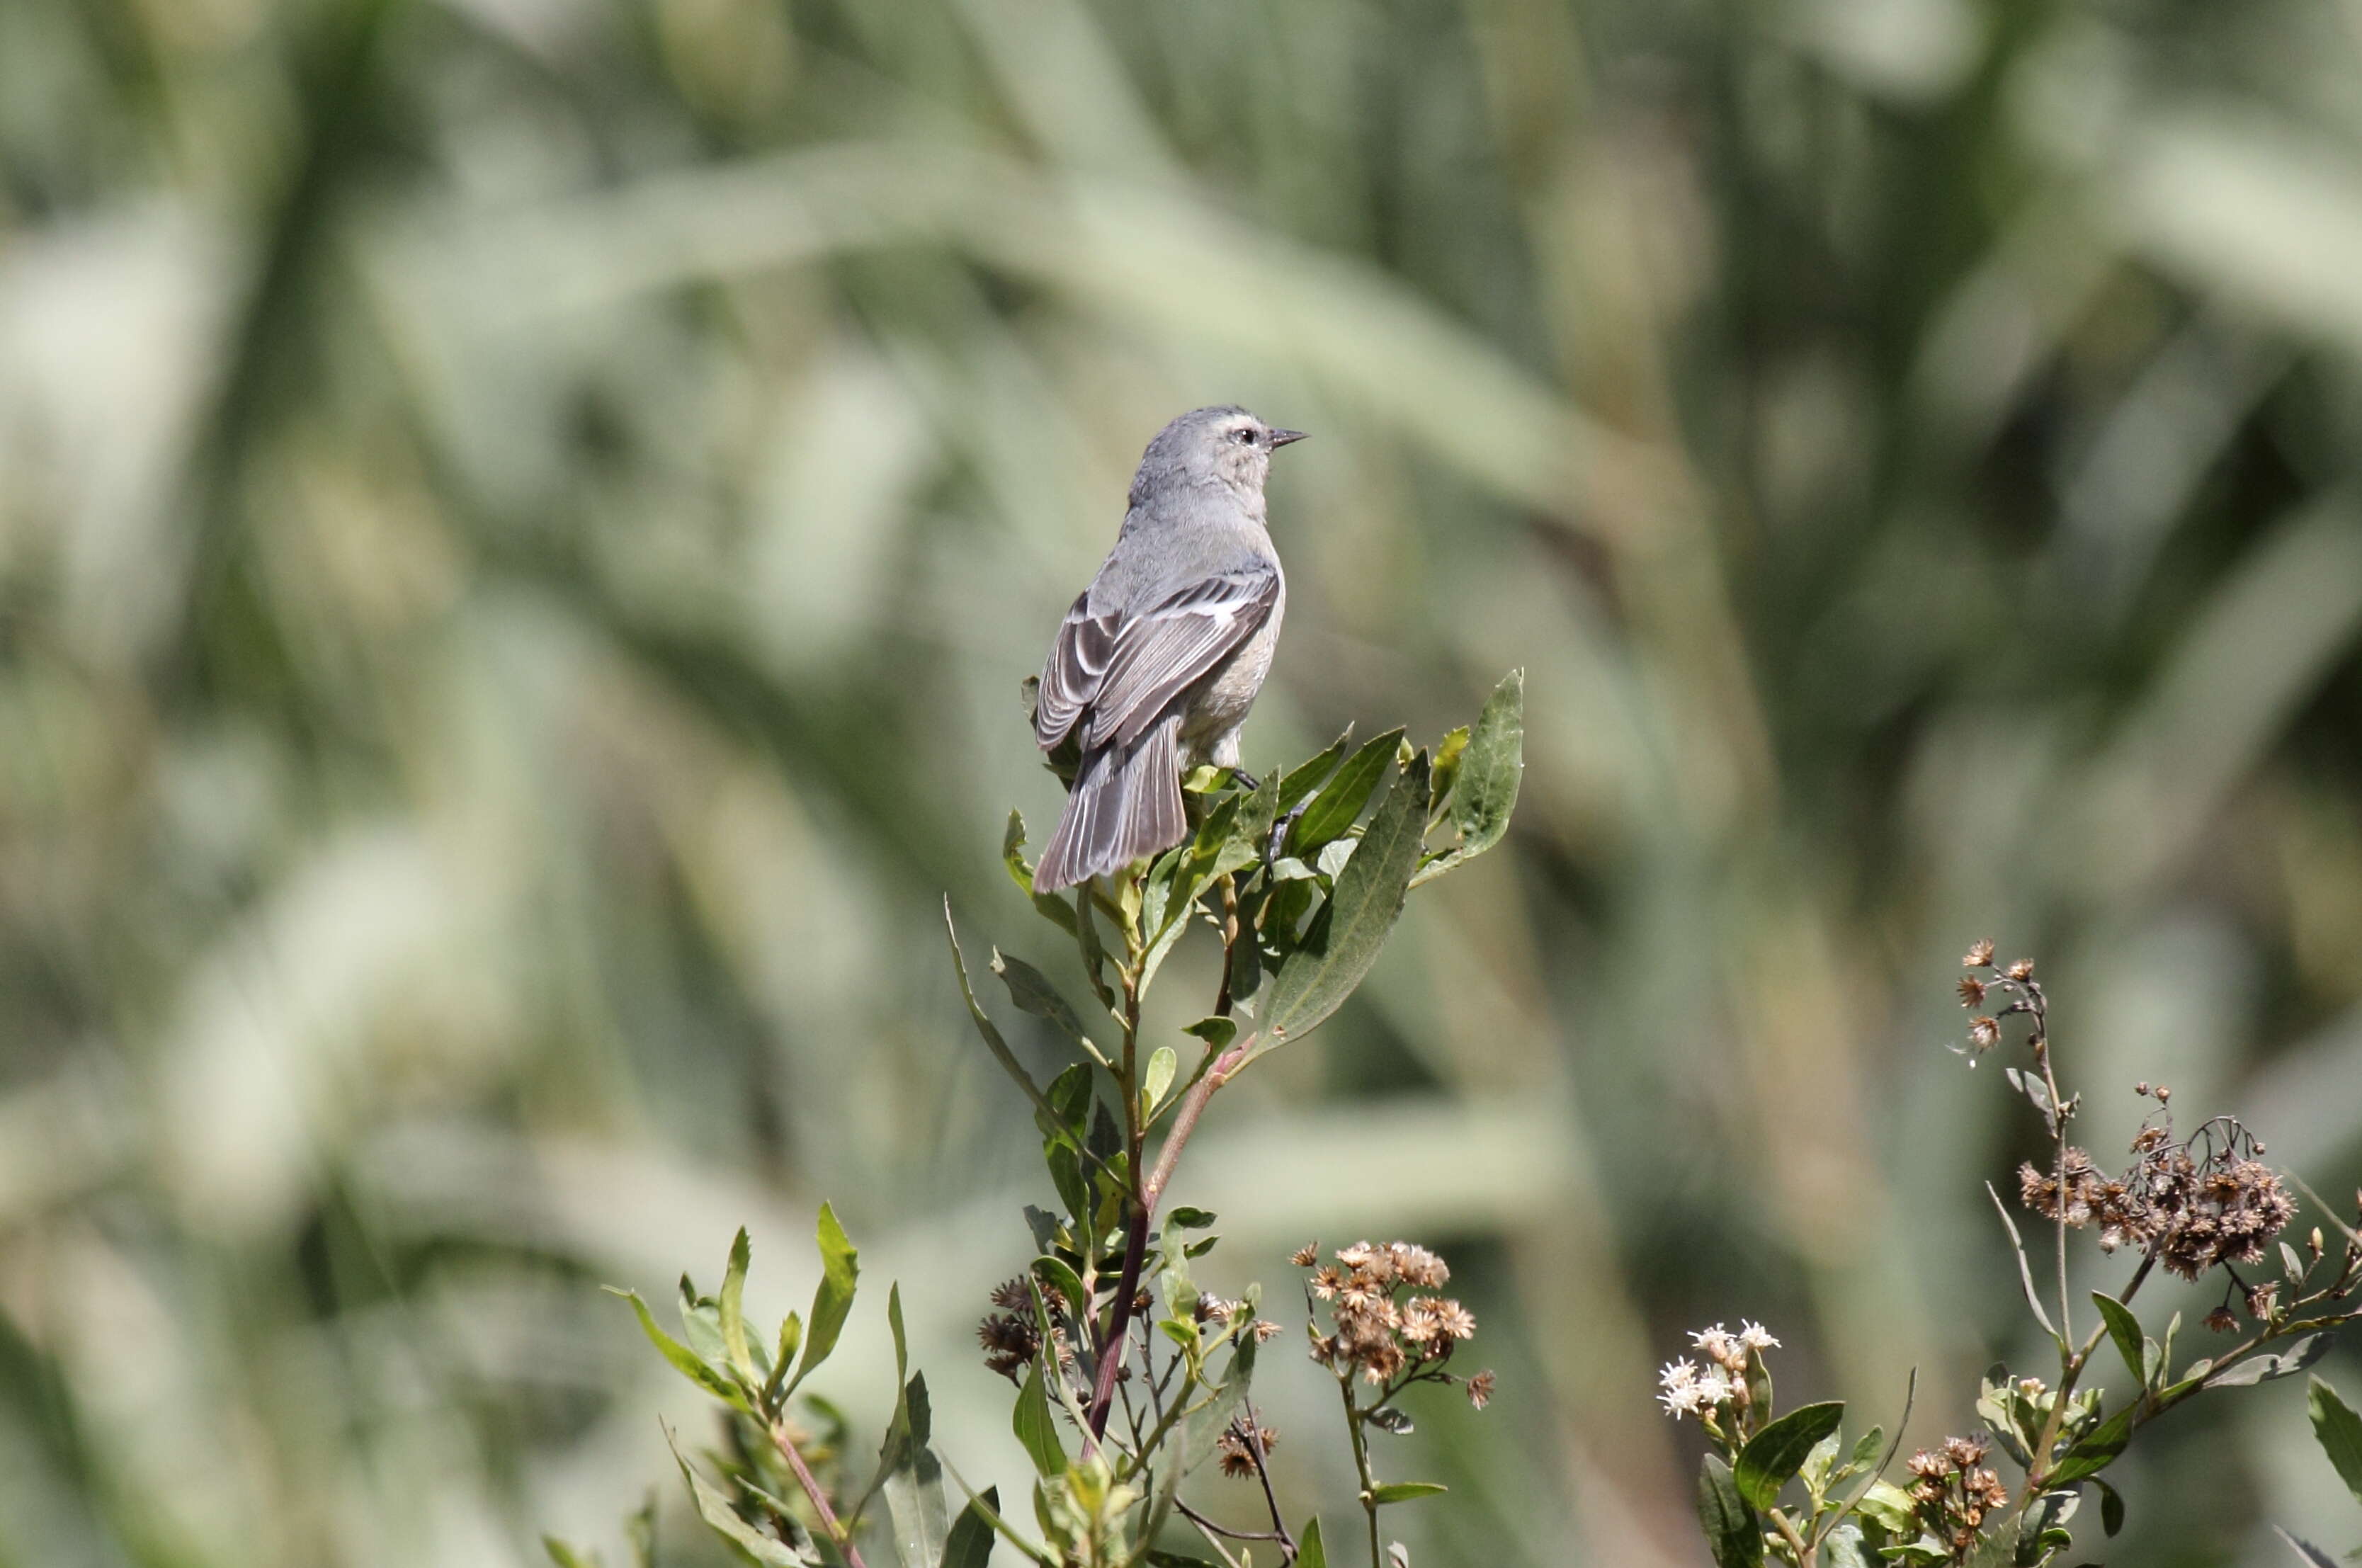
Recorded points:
(1689, 1389)
(1954, 1491)
(1212, 1309)
(2202, 1202)
(2015, 982)
(1243, 1446)
(1012, 1338)
(1382, 1325)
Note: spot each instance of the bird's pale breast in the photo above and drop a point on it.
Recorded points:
(1220, 706)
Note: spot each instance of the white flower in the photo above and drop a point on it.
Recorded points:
(1756, 1337)
(1716, 1341)
(1714, 1389)
(1677, 1374)
(1680, 1399)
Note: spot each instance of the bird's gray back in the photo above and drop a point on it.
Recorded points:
(1179, 537)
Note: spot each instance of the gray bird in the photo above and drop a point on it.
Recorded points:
(1159, 660)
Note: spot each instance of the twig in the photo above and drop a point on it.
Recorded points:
(837, 1533)
(1207, 1528)
(1254, 1435)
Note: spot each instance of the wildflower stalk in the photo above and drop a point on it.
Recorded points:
(1353, 1427)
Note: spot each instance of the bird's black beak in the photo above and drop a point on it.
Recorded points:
(1282, 437)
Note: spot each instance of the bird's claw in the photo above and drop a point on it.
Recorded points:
(1279, 832)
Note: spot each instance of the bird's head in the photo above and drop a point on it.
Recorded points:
(1207, 445)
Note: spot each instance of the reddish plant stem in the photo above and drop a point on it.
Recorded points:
(1135, 1251)
(837, 1531)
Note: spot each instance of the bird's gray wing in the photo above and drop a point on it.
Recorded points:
(1156, 655)
(1078, 663)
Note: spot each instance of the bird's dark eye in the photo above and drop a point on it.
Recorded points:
(1247, 438)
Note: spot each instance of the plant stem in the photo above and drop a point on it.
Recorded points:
(1263, 1474)
(1135, 1249)
(837, 1533)
(1361, 1461)
(1148, 1191)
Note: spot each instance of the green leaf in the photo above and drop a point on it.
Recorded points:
(1339, 804)
(684, 1360)
(969, 1544)
(2339, 1430)
(1302, 779)
(1054, 909)
(2112, 1508)
(2264, 1368)
(914, 1486)
(1031, 1422)
(1246, 961)
(2096, 1452)
(566, 1556)
(840, 1269)
(1345, 940)
(993, 1040)
(1067, 1175)
(1188, 1218)
(1309, 1552)
(1162, 1065)
(1485, 791)
(1819, 1465)
(1065, 1112)
(1058, 1276)
(715, 1509)
(733, 1307)
(700, 1326)
(1843, 1548)
(1774, 1454)
(2025, 1270)
(1406, 1491)
(1033, 993)
(2125, 1330)
(1731, 1532)
(1217, 1031)
(1890, 1507)
(1865, 1452)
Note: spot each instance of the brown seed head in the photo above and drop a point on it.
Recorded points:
(1979, 955)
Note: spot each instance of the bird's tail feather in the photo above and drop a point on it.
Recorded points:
(1126, 804)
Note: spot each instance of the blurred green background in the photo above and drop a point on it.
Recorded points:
(522, 522)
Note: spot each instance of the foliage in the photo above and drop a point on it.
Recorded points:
(2339, 1429)
(1128, 1376)
(2197, 1206)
